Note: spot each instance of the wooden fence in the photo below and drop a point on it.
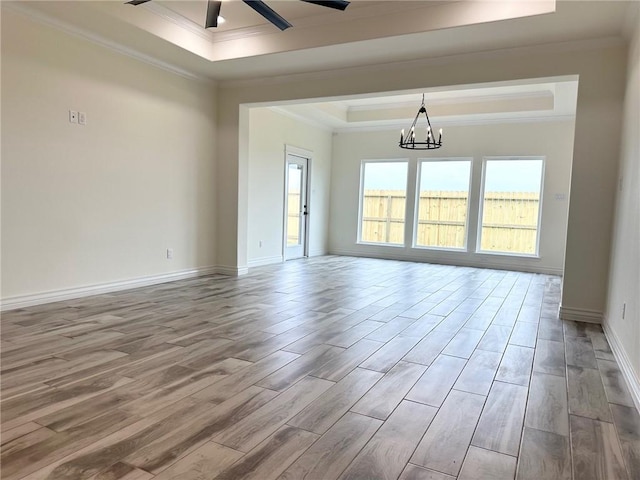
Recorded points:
(293, 218)
(509, 219)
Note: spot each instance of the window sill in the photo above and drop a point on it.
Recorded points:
(373, 244)
(507, 254)
(440, 249)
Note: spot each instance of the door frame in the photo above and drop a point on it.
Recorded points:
(305, 155)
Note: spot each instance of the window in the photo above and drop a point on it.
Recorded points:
(443, 203)
(383, 202)
(511, 205)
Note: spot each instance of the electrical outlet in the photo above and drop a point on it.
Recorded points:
(82, 118)
(169, 253)
(73, 116)
(624, 309)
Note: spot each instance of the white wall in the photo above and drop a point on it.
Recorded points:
(95, 204)
(269, 132)
(624, 278)
(554, 140)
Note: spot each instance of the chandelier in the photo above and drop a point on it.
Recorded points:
(409, 141)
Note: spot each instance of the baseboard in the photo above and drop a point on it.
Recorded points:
(232, 271)
(580, 315)
(262, 261)
(630, 375)
(485, 261)
(23, 301)
(259, 262)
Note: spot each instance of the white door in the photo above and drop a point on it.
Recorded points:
(296, 211)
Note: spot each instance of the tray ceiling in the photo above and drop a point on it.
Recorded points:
(246, 45)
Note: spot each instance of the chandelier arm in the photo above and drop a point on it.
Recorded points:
(414, 124)
(428, 121)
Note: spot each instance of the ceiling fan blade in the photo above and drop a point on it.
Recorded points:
(337, 4)
(267, 12)
(137, 2)
(213, 11)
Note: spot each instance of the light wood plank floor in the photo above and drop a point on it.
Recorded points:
(326, 368)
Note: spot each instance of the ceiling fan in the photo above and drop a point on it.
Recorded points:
(213, 10)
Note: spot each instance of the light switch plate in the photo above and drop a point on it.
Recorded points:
(73, 116)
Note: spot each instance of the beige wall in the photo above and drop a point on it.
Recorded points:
(553, 140)
(624, 279)
(269, 132)
(101, 203)
(597, 130)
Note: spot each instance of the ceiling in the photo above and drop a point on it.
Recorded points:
(246, 46)
(170, 33)
(525, 101)
(239, 17)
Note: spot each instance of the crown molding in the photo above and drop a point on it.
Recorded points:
(458, 122)
(22, 8)
(455, 100)
(372, 69)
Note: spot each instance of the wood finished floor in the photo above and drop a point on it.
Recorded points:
(327, 368)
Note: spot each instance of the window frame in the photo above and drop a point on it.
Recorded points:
(483, 179)
(416, 210)
(363, 164)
